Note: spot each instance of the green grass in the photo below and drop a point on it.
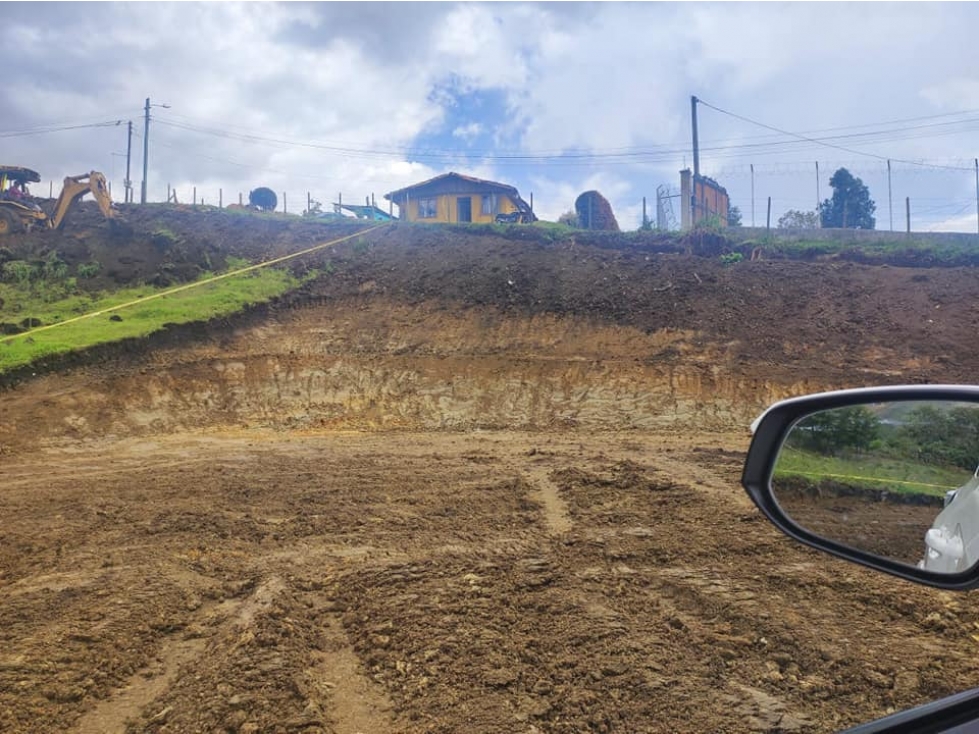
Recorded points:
(900, 247)
(872, 472)
(139, 319)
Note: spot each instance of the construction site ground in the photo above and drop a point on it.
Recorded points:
(463, 481)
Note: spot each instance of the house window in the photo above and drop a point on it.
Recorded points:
(427, 208)
(489, 204)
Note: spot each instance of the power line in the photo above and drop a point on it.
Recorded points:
(634, 156)
(43, 131)
(658, 148)
(821, 142)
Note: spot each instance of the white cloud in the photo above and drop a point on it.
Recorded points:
(362, 81)
(468, 132)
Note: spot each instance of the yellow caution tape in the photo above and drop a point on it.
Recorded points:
(189, 286)
(876, 480)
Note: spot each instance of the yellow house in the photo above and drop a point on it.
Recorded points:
(453, 197)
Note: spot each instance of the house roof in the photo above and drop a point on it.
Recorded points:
(401, 194)
(365, 212)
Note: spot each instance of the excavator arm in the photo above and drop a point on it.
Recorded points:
(74, 189)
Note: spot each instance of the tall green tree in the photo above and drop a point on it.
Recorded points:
(837, 431)
(734, 216)
(851, 206)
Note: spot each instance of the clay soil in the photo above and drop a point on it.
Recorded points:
(462, 482)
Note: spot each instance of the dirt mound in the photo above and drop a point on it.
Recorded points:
(594, 212)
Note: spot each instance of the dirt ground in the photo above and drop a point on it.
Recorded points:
(476, 484)
(889, 528)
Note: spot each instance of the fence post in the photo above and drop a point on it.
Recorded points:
(768, 217)
(168, 193)
(907, 207)
(195, 197)
(220, 198)
(285, 203)
(309, 202)
(239, 198)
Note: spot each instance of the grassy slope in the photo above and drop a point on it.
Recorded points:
(873, 472)
(139, 318)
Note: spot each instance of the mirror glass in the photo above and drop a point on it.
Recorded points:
(897, 480)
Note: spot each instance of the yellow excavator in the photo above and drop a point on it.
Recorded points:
(20, 213)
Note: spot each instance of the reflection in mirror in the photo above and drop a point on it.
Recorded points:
(898, 480)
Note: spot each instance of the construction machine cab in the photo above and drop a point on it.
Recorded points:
(13, 183)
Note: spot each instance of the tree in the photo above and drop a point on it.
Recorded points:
(945, 437)
(851, 206)
(794, 219)
(734, 216)
(263, 198)
(569, 219)
(841, 430)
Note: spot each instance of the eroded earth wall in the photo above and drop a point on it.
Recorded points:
(429, 329)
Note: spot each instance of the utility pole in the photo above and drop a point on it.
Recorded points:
(752, 194)
(696, 161)
(696, 143)
(977, 192)
(890, 198)
(146, 144)
(129, 155)
(819, 200)
(146, 149)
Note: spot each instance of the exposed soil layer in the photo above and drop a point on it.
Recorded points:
(461, 482)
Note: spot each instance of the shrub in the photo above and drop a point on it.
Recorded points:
(731, 258)
(89, 269)
(18, 271)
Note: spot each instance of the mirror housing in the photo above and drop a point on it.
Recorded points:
(773, 428)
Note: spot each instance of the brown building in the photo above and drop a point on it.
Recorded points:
(453, 197)
(701, 199)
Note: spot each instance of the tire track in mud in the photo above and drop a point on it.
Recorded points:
(556, 516)
(477, 582)
(129, 702)
(134, 698)
(356, 704)
(302, 654)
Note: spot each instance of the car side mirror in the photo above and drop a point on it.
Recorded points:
(883, 477)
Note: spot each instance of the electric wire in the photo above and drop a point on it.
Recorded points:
(44, 131)
(818, 141)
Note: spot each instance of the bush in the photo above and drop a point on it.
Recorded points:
(164, 239)
(89, 269)
(731, 258)
(569, 219)
(18, 271)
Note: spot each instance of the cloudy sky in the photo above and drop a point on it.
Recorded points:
(556, 99)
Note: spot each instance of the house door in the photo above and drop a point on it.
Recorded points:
(465, 208)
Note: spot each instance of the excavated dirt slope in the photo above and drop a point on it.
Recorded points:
(460, 482)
